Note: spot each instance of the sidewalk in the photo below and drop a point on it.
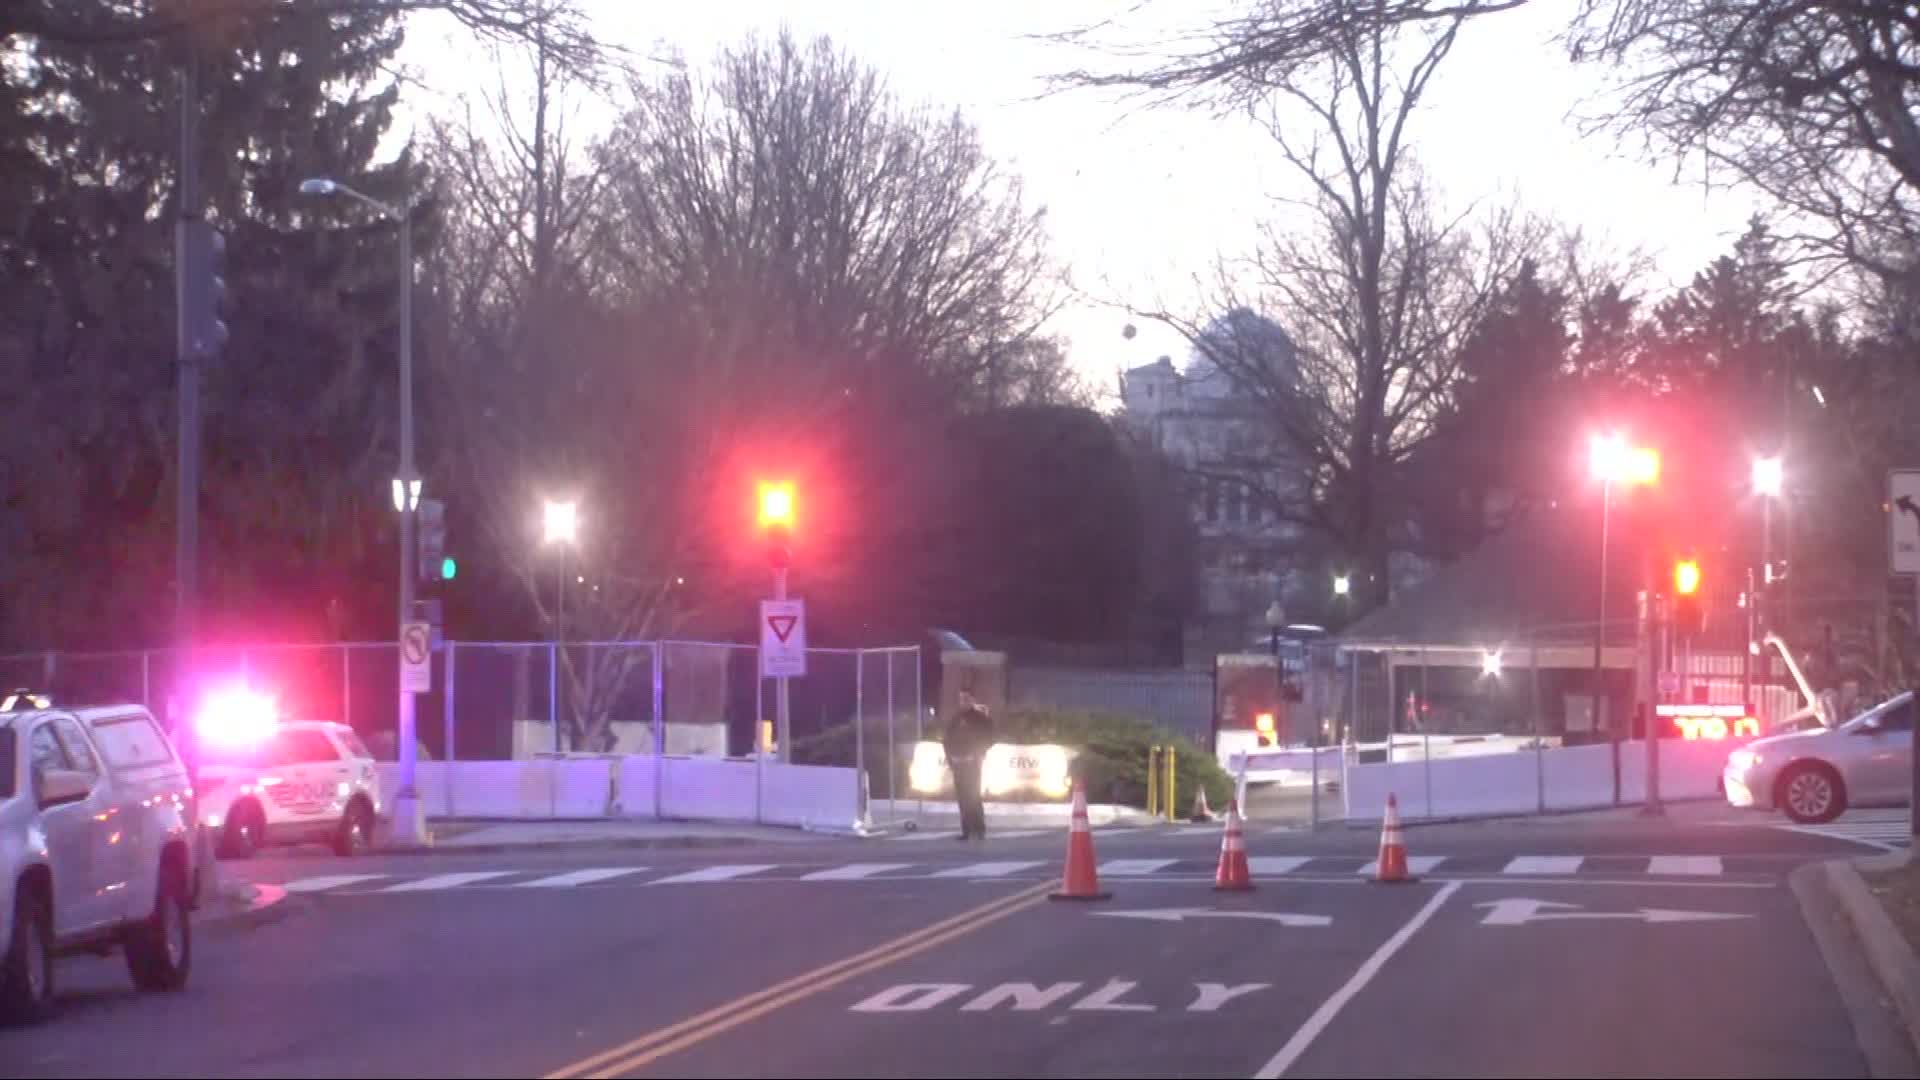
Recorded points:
(471, 837)
(936, 815)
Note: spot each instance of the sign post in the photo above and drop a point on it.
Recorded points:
(783, 653)
(416, 658)
(1903, 552)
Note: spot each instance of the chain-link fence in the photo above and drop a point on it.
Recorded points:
(498, 701)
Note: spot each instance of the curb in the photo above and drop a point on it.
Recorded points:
(250, 904)
(1888, 956)
(630, 843)
(1526, 815)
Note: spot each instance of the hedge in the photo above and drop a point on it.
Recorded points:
(1112, 753)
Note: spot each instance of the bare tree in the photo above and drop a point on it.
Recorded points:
(1378, 292)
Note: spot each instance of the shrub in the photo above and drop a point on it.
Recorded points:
(1112, 753)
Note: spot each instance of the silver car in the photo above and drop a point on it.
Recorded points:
(1813, 776)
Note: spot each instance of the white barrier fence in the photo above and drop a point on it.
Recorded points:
(1530, 781)
(732, 790)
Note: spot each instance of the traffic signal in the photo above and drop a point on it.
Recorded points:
(776, 523)
(201, 268)
(1688, 616)
(432, 523)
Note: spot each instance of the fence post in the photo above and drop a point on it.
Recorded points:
(1426, 736)
(860, 716)
(346, 684)
(759, 743)
(146, 678)
(1539, 738)
(553, 691)
(659, 726)
(49, 662)
(893, 790)
(447, 754)
(919, 729)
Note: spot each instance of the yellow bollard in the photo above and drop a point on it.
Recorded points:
(1171, 803)
(1153, 780)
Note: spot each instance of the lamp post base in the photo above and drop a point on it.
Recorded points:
(409, 823)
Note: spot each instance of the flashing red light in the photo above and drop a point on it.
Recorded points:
(776, 505)
(1686, 577)
(236, 717)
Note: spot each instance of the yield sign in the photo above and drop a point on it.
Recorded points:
(783, 639)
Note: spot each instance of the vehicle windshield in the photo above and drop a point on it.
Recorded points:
(1885, 710)
(6, 761)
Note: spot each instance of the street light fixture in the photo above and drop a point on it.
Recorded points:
(561, 518)
(1342, 585)
(1491, 663)
(409, 822)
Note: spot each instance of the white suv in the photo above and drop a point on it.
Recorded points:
(304, 781)
(95, 819)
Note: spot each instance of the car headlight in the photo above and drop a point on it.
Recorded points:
(1743, 760)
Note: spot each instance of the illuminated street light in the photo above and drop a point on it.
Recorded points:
(562, 520)
(1491, 663)
(1768, 477)
(1612, 461)
(1342, 585)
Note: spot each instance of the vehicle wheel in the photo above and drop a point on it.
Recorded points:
(160, 950)
(355, 834)
(245, 832)
(26, 972)
(1811, 794)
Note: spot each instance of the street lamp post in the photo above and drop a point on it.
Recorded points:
(562, 528)
(1769, 481)
(409, 823)
(1612, 461)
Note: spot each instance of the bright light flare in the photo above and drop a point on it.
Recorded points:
(1686, 577)
(1613, 461)
(562, 521)
(1342, 585)
(776, 505)
(1769, 477)
(1491, 663)
(236, 717)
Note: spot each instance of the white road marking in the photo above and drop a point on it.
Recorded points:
(724, 872)
(578, 877)
(445, 881)
(1700, 865)
(985, 869)
(331, 881)
(1416, 864)
(1127, 867)
(1543, 864)
(855, 871)
(1324, 1015)
(1276, 864)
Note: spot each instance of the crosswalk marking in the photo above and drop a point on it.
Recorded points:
(445, 881)
(1190, 867)
(1126, 867)
(1416, 864)
(329, 881)
(855, 871)
(1543, 864)
(724, 872)
(1685, 864)
(985, 869)
(579, 877)
(1276, 864)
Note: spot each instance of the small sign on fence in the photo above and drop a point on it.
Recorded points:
(783, 639)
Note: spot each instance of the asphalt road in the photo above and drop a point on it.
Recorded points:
(1610, 948)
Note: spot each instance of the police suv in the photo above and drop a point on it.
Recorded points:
(297, 782)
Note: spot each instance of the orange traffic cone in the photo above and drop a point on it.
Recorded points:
(1233, 874)
(1392, 867)
(1080, 881)
(1202, 813)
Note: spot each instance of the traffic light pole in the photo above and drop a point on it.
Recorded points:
(409, 823)
(1663, 636)
(781, 714)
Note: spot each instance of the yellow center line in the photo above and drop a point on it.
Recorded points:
(694, 1029)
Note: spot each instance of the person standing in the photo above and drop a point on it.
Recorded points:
(969, 735)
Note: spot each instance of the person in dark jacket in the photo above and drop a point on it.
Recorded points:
(969, 735)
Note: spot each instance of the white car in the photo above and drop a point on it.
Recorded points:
(95, 826)
(301, 782)
(1814, 776)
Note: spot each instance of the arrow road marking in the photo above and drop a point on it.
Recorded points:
(1284, 918)
(1906, 504)
(1519, 911)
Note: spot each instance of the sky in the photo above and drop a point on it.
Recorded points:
(1140, 200)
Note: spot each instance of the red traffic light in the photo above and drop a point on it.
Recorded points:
(1686, 577)
(776, 505)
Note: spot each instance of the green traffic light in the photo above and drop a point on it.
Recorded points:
(448, 568)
